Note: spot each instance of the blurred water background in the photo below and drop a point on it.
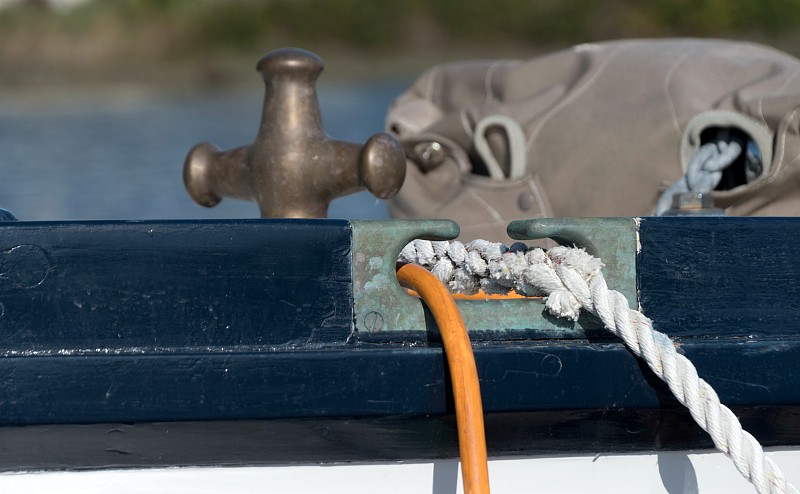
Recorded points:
(101, 100)
(119, 154)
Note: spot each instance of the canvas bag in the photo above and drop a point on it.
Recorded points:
(597, 130)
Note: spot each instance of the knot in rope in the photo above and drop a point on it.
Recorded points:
(561, 273)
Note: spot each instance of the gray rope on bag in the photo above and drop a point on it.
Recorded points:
(704, 171)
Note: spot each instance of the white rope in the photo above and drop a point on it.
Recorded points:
(571, 279)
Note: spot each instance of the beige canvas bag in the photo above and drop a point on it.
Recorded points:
(596, 130)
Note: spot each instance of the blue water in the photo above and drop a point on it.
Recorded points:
(119, 155)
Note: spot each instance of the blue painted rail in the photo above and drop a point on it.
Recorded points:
(231, 342)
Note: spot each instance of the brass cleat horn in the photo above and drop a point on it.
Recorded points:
(293, 169)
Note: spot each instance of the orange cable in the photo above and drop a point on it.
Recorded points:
(463, 374)
(481, 295)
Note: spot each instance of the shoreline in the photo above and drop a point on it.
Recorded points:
(45, 77)
(210, 44)
(222, 71)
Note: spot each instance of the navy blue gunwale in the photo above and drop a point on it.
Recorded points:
(721, 277)
(266, 330)
(140, 286)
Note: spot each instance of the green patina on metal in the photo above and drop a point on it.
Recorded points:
(380, 303)
(382, 306)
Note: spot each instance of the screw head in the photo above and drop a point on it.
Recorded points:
(373, 321)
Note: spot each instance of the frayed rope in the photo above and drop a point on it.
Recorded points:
(572, 280)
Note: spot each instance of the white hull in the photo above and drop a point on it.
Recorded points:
(664, 472)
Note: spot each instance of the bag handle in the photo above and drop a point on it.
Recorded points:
(516, 146)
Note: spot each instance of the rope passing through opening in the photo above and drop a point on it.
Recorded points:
(573, 280)
(463, 374)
